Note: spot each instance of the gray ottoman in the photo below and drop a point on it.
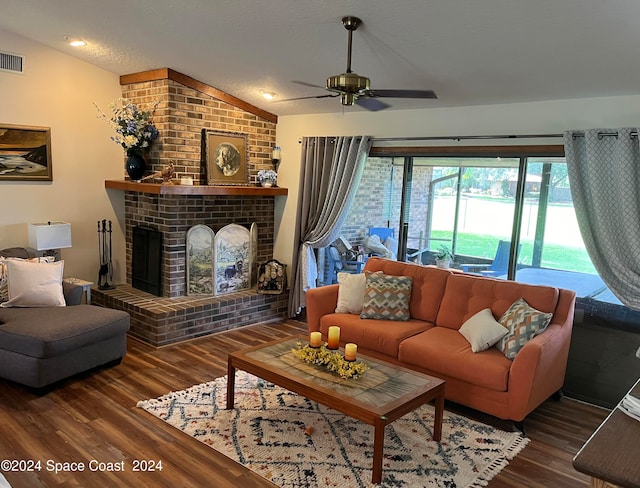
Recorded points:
(39, 346)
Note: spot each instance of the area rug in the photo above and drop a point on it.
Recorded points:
(296, 443)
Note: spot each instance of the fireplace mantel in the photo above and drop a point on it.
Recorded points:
(158, 189)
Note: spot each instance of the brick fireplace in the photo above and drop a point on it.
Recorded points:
(186, 108)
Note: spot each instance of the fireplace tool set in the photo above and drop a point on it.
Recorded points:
(105, 274)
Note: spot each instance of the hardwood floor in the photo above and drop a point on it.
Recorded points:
(94, 417)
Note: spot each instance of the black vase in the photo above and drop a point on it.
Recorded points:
(135, 165)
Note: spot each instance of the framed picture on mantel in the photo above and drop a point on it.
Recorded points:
(225, 156)
(25, 153)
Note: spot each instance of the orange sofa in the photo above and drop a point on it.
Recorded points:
(441, 301)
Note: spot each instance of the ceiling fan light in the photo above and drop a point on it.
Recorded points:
(347, 98)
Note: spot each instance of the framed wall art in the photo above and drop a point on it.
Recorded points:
(225, 156)
(25, 153)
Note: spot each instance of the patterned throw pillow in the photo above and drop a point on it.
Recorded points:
(386, 297)
(524, 322)
(4, 280)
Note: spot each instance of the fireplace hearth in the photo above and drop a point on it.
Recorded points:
(174, 315)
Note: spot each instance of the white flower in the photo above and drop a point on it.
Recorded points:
(267, 175)
(134, 127)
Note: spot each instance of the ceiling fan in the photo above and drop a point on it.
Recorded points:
(353, 88)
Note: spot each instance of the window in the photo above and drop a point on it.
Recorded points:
(503, 211)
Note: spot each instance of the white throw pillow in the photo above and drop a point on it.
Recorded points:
(34, 284)
(4, 282)
(482, 330)
(351, 292)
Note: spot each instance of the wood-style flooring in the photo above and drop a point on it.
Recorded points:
(94, 417)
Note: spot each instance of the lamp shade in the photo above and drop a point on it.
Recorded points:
(50, 235)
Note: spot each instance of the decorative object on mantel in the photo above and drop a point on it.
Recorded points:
(272, 278)
(105, 273)
(267, 178)
(275, 158)
(225, 156)
(134, 130)
(135, 165)
(167, 174)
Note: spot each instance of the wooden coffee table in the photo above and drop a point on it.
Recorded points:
(383, 394)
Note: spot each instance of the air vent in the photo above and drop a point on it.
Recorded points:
(11, 63)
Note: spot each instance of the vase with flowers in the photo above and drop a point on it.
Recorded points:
(267, 177)
(135, 131)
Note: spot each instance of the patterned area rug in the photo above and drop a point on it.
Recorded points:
(296, 443)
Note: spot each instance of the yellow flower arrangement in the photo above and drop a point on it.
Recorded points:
(330, 360)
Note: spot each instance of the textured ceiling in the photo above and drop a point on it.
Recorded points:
(469, 52)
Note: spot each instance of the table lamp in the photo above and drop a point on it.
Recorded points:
(50, 237)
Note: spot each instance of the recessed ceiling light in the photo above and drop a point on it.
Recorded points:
(74, 41)
(268, 95)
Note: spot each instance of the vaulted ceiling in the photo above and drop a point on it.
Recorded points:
(469, 52)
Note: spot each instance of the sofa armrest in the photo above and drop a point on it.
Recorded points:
(538, 370)
(72, 293)
(320, 301)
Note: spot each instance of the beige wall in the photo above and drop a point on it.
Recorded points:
(547, 117)
(58, 91)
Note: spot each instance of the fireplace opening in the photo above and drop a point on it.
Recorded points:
(146, 260)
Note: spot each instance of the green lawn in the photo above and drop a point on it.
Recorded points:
(553, 255)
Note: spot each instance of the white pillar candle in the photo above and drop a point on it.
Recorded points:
(334, 337)
(350, 351)
(315, 339)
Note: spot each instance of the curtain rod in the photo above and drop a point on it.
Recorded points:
(632, 134)
(459, 138)
(503, 136)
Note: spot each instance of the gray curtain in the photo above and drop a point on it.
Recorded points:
(604, 173)
(331, 169)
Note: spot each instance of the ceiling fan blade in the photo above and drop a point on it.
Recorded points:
(307, 84)
(306, 98)
(402, 93)
(372, 104)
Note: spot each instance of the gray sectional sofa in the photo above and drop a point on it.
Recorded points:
(40, 346)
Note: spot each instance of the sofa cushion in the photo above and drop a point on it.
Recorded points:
(448, 353)
(386, 297)
(523, 323)
(482, 330)
(465, 295)
(427, 287)
(351, 292)
(377, 335)
(48, 332)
